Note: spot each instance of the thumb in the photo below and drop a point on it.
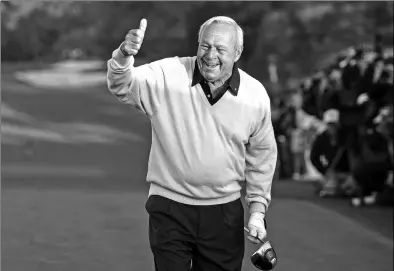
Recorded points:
(143, 24)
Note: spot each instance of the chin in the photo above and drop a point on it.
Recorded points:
(209, 76)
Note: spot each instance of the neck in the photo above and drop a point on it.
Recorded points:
(219, 83)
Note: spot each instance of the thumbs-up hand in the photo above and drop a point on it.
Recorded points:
(133, 40)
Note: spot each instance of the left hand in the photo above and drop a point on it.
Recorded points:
(256, 227)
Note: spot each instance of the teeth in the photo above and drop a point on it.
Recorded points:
(210, 66)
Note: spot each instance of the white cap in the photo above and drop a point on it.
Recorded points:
(331, 116)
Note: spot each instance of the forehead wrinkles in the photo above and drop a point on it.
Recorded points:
(221, 33)
(215, 37)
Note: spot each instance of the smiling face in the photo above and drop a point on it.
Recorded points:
(217, 52)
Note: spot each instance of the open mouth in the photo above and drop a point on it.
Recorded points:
(210, 66)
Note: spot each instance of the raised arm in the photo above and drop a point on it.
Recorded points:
(135, 86)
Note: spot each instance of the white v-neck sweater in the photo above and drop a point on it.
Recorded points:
(200, 153)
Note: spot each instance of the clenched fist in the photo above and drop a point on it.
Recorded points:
(133, 40)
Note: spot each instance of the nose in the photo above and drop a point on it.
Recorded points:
(211, 53)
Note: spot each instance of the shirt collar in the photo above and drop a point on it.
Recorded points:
(233, 82)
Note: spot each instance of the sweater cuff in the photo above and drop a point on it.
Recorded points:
(121, 62)
(257, 207)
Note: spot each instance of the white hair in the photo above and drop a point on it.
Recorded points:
(226, 20)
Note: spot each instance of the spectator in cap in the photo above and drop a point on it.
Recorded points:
(329, 155)
(303, 124)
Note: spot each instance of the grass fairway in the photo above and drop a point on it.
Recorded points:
(74, 230)
(73, 193)
(73, 179)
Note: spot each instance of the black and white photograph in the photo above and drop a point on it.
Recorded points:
(197, 135)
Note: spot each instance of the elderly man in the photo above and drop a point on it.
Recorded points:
(211, 133)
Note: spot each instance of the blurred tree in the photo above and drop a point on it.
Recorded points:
(7, 40)
(300, 34)
(34, 35)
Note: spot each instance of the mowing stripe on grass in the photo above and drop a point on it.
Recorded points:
(20, 170)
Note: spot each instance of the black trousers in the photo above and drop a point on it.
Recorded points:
(370, 177)
(198, 238)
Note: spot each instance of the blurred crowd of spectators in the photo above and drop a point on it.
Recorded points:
(337, 127)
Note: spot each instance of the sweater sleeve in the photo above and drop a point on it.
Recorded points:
(261, 156)
(140, 87)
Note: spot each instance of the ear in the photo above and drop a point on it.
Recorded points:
(238, 52)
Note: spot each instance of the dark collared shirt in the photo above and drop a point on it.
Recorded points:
(232, 84)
